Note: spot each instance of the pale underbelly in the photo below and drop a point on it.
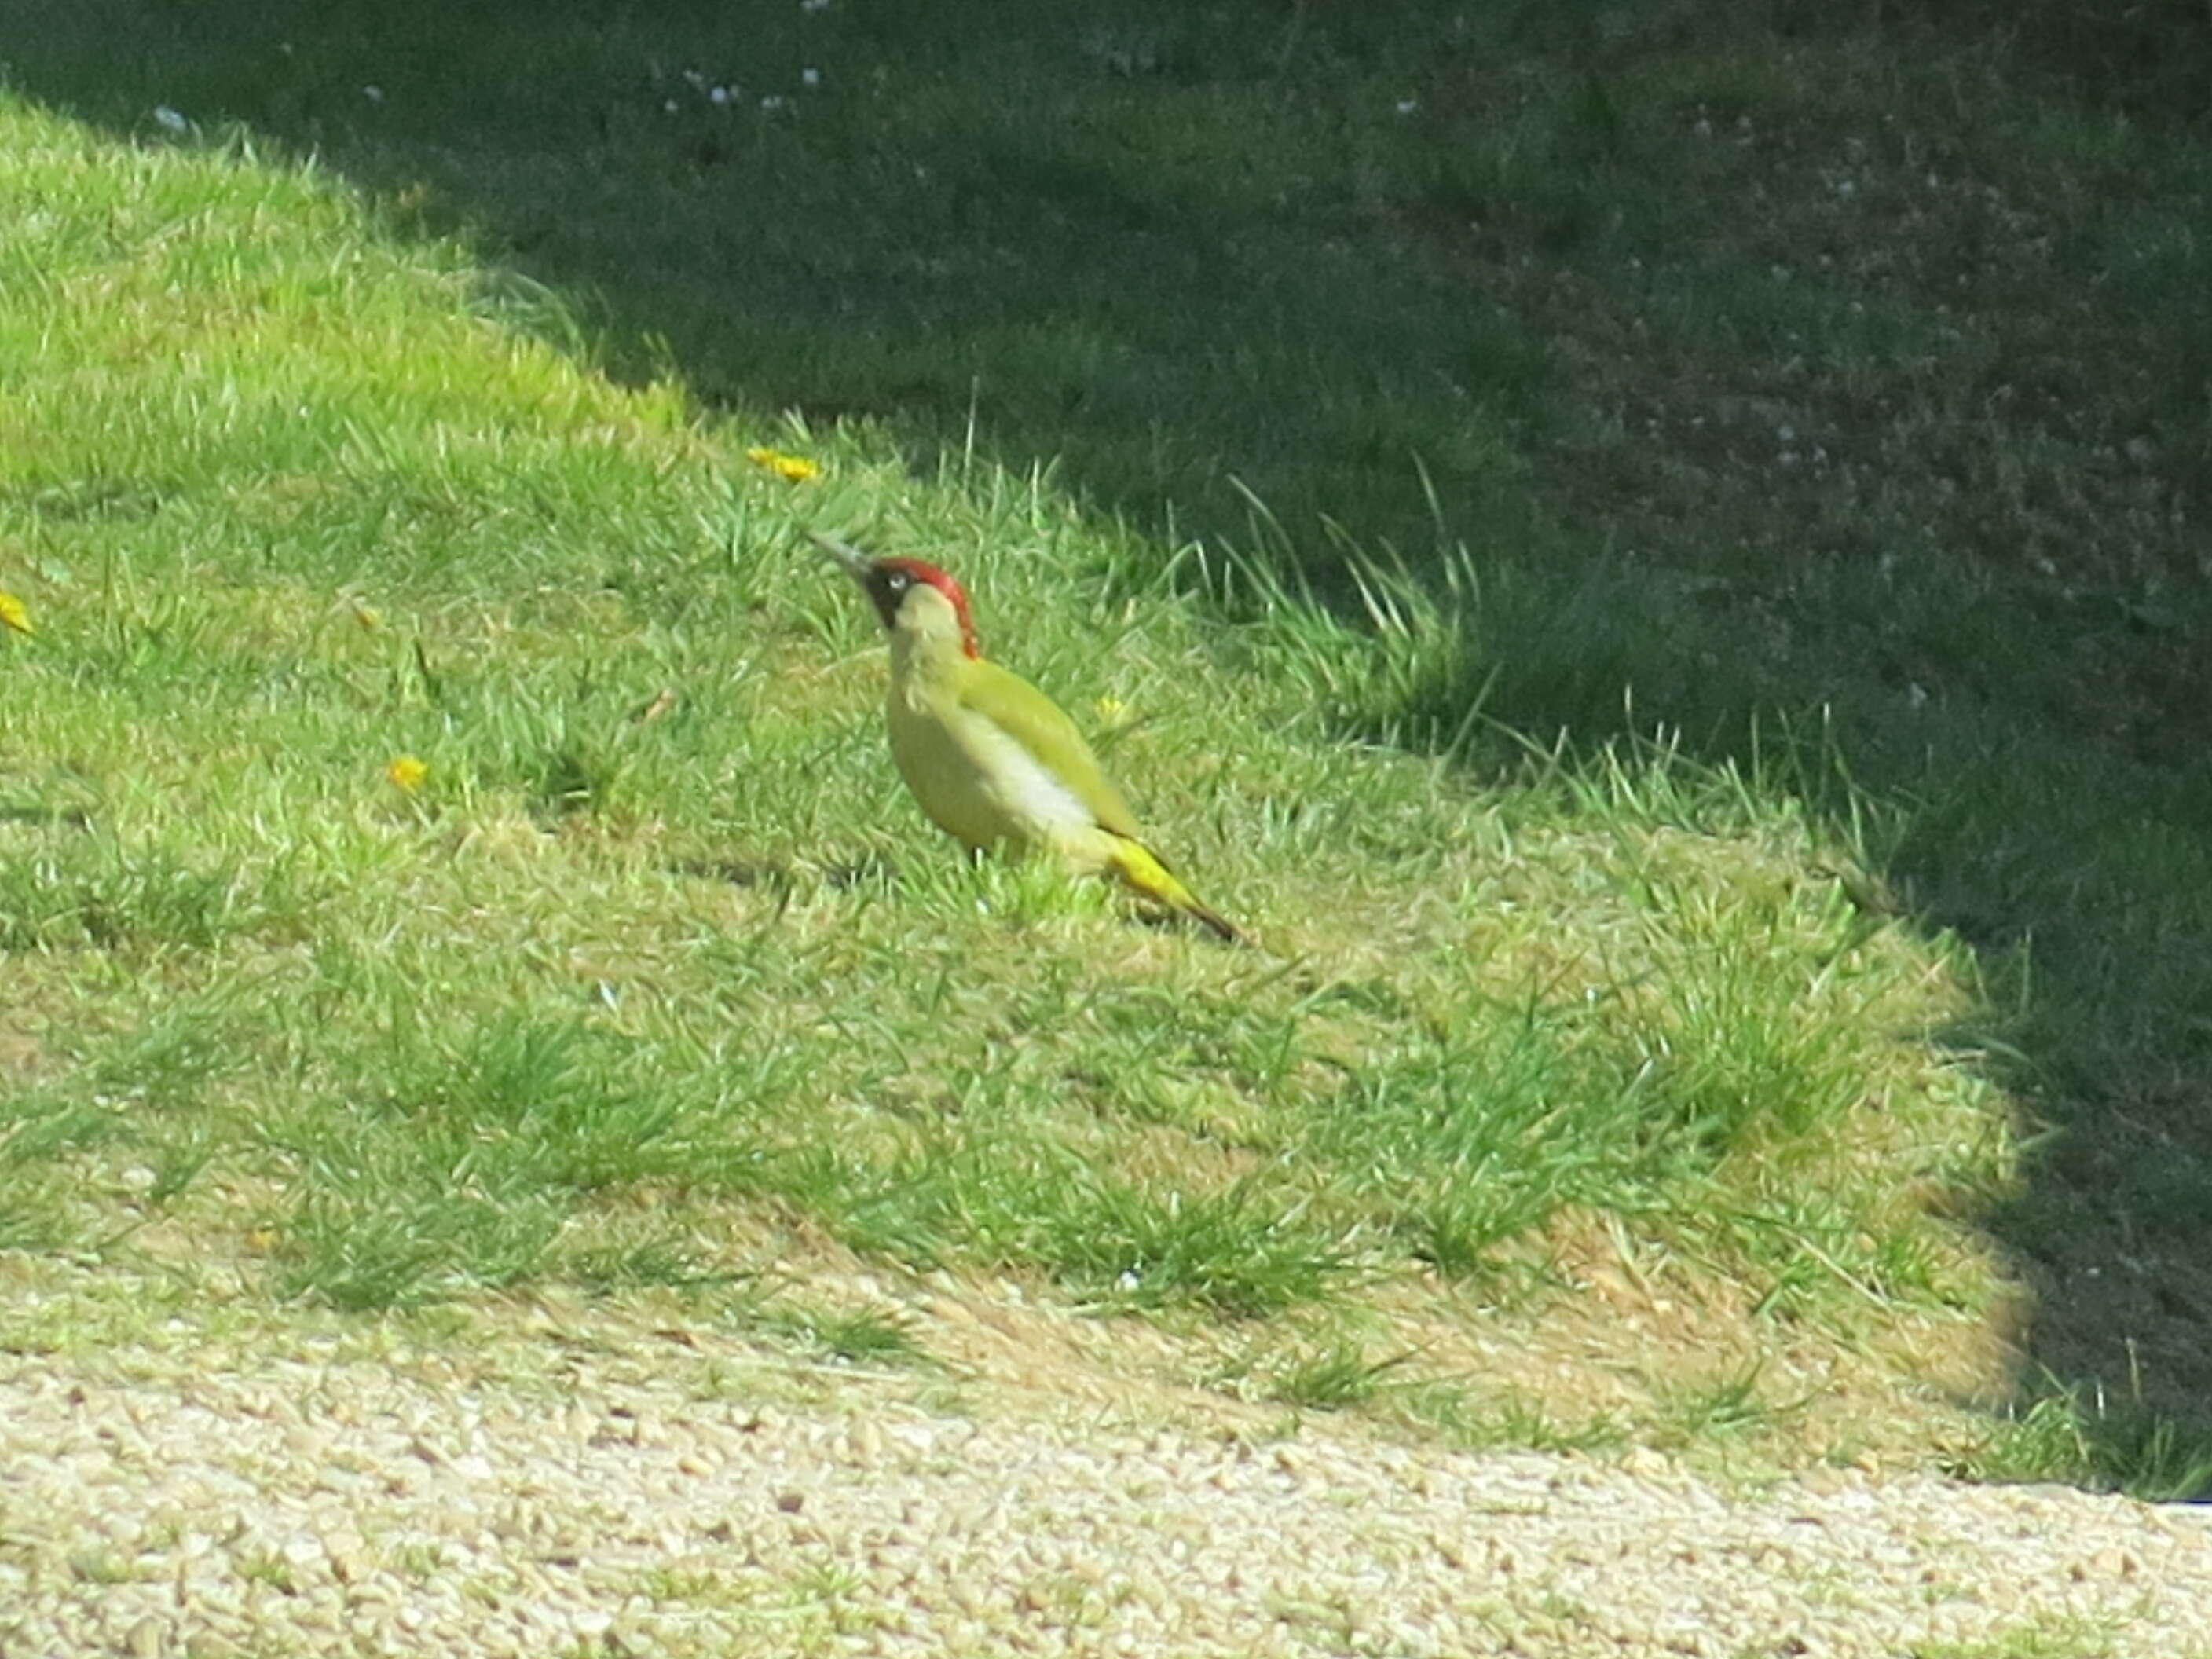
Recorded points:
(983, 788)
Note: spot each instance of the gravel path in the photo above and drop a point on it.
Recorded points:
(639, 1502)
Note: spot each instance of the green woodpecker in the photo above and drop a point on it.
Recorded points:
(994, 761)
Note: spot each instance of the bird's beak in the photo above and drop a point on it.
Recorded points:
(853, 562)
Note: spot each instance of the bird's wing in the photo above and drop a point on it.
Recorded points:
(1038, 725)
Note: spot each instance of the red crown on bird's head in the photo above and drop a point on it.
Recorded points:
(920, 570)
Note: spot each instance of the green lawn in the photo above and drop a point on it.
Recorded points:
(1657, 568)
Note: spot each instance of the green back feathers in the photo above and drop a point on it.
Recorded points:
(1040, 725)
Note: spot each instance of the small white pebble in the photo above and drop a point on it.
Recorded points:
(718, 95)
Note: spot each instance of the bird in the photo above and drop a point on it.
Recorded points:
(994, 762)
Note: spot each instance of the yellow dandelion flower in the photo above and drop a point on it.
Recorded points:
(796, 468)
(15, 614)
(1112, 710)
(407, 772)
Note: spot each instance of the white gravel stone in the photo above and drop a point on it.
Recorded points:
(211, 1502)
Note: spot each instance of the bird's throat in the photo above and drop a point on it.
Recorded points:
(924, 664)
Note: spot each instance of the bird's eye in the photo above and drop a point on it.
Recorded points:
(900, 582)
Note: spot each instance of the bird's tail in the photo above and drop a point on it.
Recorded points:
(1140, 869)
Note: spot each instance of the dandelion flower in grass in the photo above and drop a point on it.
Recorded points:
(15, 614)
(1112, 710)
(407, 772)
(796, 468)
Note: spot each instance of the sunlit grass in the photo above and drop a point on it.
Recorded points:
(447, 844)
(354, 870)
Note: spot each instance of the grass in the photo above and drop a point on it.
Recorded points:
(2120, 1443)
(1795, 436)
(2058, 1637)
(852, 1336)
(395, 1044)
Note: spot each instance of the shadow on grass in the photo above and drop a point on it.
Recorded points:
(1776, 376)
